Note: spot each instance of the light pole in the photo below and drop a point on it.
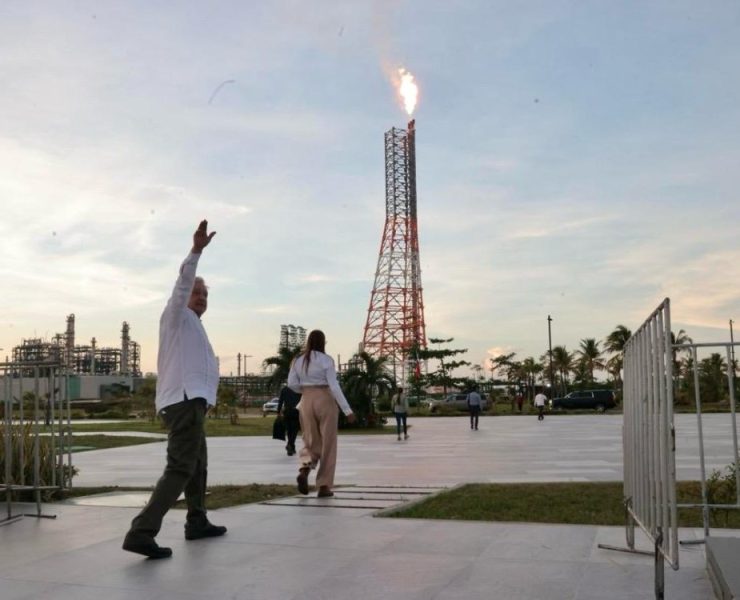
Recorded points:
(549, 345)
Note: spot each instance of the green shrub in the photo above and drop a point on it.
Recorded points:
(721, 489)
(22, 441)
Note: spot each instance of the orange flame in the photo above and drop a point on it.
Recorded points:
(408, 90)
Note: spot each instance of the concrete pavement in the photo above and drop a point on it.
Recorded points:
(441, 451)
(314, 552)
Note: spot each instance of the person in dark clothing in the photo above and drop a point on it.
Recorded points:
(474, 405)
(288, 409)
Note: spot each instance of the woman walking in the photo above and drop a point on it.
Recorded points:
(314, 376)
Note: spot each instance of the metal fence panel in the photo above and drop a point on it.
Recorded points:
(649, 434)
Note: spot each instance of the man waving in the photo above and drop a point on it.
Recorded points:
(187, 381)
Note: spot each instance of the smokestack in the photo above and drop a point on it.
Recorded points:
(69, 340)
(125, 340)
(93, 343)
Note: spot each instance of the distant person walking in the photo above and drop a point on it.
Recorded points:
(314, 375)
(287, 409)
(519, 401)
(539, 403)
(400, 411)
(187, 380)
(474, 402)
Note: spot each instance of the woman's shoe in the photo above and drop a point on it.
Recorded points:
(302, 480)
(325, 492)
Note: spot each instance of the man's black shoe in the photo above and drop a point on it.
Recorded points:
(142, 544)
(208, 530)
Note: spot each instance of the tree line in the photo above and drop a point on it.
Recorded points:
(367, 379)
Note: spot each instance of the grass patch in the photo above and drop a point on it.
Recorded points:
(214, 428)
(223, 496)
(219, 496)
(99, 442)
(597, 503)
(592, 503)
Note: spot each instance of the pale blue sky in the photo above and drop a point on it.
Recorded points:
(578, 159)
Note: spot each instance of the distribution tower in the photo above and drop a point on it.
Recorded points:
(395, 317)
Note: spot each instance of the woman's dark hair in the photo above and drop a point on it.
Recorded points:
(316, 341)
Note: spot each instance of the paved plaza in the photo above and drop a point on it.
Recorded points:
(311, 551)
(442, 451)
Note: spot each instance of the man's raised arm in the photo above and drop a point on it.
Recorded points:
(186, 279)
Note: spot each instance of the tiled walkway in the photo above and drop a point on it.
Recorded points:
(300, 549)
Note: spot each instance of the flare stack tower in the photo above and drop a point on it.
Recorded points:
(395, 318)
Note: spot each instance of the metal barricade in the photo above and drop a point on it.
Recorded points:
(705, 505)
(649, 442)
(36, 440)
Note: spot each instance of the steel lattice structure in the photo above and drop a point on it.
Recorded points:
(395, 317)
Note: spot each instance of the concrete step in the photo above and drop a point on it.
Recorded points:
(374, 498)
(723, 560)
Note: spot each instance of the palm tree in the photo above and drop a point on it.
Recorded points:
(614, 367)
(617, 340)
(678, 339)
(615, 343)
(281, 363)
(530, 369)
(366, 379)
(590, 355)
(712, 376)
(502, 362)
(581, 375)
(562, 362)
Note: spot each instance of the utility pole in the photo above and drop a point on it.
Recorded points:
(246, 388)
(732, 346)
(549, 344)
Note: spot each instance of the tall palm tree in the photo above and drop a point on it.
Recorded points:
(617, 340)
(531, 368)
(366, 379)
(590, 355)
(615, 343)
(281, 363)
(678, 339)
(712, 375)
(562, 362)
(614, 367)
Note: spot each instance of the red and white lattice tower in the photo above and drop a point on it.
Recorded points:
(395, 318)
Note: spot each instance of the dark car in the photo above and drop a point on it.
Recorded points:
(598, 400)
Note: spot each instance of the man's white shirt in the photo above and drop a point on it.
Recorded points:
(186, 363)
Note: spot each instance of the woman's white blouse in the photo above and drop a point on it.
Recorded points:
(321, 371)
